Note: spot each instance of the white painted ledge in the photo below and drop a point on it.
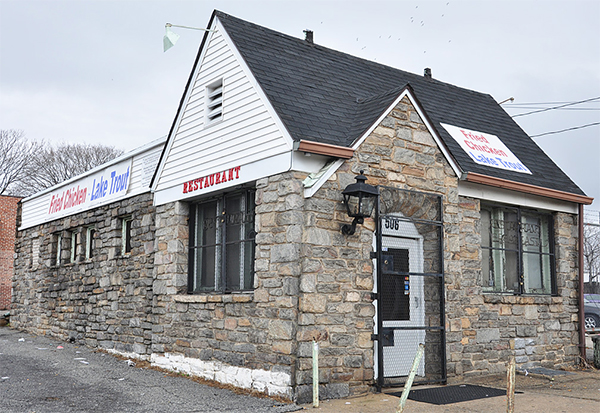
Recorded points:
(269, 382)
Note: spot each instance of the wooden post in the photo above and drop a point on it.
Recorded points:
(510, 386)
(315, 355)
(596, 341)
(411, 377)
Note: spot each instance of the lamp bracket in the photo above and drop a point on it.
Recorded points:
(188, 27)
(351, 229)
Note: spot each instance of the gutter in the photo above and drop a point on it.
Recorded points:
(528, 188)
(582, 350)
(335, 151)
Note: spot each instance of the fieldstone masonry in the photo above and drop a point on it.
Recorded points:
(105, 301)
(311, 283)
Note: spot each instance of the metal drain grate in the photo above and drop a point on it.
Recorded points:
(452, 394)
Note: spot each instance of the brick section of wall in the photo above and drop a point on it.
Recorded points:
(8, 222)
(102, 302)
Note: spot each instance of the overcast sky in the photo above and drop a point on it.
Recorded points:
(94, 71)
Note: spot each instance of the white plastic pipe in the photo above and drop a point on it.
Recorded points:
(411, 377)
(315, 355)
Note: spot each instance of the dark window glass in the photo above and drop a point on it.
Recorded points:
(126, 235)
(89, 242)
(222, 244)
(395, 281)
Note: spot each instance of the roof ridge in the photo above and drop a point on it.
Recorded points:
(340, 53)
(390, 92)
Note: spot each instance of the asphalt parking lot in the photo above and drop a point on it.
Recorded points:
(40, 374)
(37, 375)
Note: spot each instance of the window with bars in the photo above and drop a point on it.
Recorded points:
(221, 251)
(517, 250)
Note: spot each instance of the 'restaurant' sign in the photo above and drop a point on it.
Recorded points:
(100, 188)
(216, 178)
(486, 149)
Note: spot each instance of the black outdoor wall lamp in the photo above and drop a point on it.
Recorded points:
(360, 199)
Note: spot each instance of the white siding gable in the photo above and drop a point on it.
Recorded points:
(249, 135)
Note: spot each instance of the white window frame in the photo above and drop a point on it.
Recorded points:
(126, 226)
(72, 246)
(89, 242)
(58, 251)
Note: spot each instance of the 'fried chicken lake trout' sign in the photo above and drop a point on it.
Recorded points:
(486, 149)
(102, 187)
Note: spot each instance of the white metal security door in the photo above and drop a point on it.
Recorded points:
(401, 292)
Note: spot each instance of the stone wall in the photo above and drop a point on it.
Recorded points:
(483, 330)
(247, 338)
(311, 283)
(105, 301)
(401, 153)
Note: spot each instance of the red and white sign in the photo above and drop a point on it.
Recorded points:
(486, 149)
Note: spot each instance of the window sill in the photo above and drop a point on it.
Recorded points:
(212, 123)
(64, 265)
(498, 298)
(242, 297)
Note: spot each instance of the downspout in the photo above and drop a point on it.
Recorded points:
(580, 271)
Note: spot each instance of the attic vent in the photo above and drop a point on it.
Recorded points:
(427, 73)
(309, 36)
(214, 102)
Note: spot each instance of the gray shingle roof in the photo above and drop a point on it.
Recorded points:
(331, 97)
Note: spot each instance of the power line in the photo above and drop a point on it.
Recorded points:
(565, 130)
(556, 107)
(538, 103)
(538, 107)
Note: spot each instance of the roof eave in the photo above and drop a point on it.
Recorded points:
(527, 188)
(335, 151)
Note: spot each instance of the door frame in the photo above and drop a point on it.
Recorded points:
(399, 203)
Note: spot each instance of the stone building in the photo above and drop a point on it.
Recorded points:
(8, 229)
(232, 260)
